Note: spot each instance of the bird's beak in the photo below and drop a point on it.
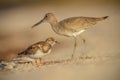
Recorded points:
(38, 23)
(57, 42)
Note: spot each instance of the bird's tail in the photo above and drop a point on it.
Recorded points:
(102, 18)
(22, 53)
(105, 17)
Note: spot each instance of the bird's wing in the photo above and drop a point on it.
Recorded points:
(77, 23)
(30, 50)
(33, 48)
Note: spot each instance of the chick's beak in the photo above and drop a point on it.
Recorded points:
(57, 42)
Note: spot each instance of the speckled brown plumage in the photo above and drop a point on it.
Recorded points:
(43, 46)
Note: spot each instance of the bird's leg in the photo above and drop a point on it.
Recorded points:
(75, 44)
(84, 45)
(33, 62)
(83, 40)
(38, 62)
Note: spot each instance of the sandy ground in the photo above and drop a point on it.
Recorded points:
(102, 43)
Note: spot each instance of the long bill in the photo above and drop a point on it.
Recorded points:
(38, 23)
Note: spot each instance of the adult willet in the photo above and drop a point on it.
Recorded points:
(70, 27)
(38, 50)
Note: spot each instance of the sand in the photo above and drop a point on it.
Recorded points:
(97, 59)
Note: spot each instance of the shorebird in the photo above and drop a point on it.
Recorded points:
(70, 27)
(38, 50)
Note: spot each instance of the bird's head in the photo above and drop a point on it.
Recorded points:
(49, 17)
(51, 41)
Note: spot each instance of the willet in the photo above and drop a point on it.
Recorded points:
(38, 50)
(70, 27)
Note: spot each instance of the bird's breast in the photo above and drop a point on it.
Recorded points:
(71, 33)
(79, 32)
(37, 54)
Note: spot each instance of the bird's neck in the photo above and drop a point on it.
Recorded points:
(55, 25)
(54, 22)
